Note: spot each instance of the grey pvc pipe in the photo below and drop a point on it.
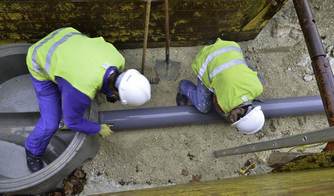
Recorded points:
(156, 117)
(186, 115)
(291, 106)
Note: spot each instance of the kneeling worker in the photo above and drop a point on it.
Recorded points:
(225, 81)
(67, 70)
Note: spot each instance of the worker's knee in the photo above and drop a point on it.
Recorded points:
(203, 103)
(204, 107)
(185, 86)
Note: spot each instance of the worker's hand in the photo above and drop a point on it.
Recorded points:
(236, 114)
(105, 131)
(64, 127)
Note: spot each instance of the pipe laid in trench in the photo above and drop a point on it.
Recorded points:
(12, 64)
(183, 115)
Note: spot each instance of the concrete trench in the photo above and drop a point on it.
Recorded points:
(68, 150)
(18, 114)
(279, 53)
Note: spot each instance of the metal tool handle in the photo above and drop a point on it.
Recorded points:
(147, 22)
(167, 30)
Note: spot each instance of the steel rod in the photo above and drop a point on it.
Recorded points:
(323, 135)
(321, 67)
(167, 31)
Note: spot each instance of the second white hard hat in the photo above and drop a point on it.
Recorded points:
(252, 122)
(134, 89)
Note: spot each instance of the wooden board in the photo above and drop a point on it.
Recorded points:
(314, 182)
(192, 22)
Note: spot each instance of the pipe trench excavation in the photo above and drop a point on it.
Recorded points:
(68, 150)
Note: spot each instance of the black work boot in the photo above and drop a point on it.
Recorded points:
(181, 99)
(34, 163)
(184, 87)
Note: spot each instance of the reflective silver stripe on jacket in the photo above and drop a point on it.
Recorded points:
(54, 47)
(36, 66)
(224, 66)
(211, 56)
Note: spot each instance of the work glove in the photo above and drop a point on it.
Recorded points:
(105, 131)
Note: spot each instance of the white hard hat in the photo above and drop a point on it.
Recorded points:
(252, 122)
(134, 89)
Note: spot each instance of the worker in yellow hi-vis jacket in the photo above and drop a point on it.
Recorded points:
(67, 69)
(225, 81)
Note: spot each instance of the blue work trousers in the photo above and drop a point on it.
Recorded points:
(49, 100)
(200, 96)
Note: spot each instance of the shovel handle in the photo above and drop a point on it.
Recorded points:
(147, 22)
(167, 30)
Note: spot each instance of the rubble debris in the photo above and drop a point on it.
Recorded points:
(249, 165)
(191, 156)
(286, 132)
(316, 7)
(330, 50)
(331, 62)
(254, 167)
(260, 135)
(184, 172)
(137, 169)
(304, 60)
(121, 182)
(56, 193)
(308, 77)
(296, 34)
(309, 71)
(196, 178)
(279, 30)
(73, 184)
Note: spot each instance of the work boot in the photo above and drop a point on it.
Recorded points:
(181, 99)
(34, 163)
(185, 86)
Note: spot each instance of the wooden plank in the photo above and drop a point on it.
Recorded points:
(314, 182)
(122, 22)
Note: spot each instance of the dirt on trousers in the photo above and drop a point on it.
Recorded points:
(158, 157)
